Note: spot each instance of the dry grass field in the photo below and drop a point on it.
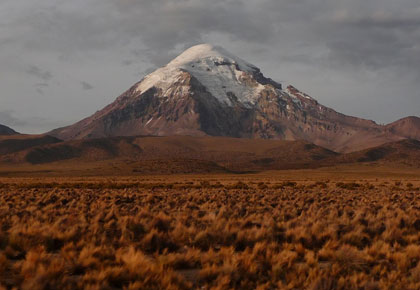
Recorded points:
(335, 228)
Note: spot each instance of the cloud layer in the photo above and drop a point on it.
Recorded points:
(62, 60)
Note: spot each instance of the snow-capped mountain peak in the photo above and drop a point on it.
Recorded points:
(220, 72)
(209, 91)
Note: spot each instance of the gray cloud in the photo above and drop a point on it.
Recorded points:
(166, 27)
(377, 41)
(127, 62)
(17, 122)
(86, 86)
(8, 118)
(37, 72)
(360, 57)
(39, 88)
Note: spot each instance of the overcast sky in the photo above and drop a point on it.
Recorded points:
(62, 60)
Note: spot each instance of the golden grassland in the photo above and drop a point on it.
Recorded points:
(336, 228)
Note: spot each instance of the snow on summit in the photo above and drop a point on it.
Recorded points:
(215, 68)
(215, 54)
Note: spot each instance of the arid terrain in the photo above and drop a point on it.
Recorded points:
(345, 227)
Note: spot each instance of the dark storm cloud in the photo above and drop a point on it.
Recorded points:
(164, 25)
(375, 34)
(356, 34)
(346, 43)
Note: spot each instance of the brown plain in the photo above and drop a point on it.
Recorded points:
(342, 227)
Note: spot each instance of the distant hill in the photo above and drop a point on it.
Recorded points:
(16, 143)
(187, 154)
(407, 127)
(231, 153)
(6, 131)
(405, 152)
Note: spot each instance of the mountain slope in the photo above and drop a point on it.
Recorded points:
(6, 131)
(208, 91)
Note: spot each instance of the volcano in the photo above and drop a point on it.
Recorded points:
(208, 91)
